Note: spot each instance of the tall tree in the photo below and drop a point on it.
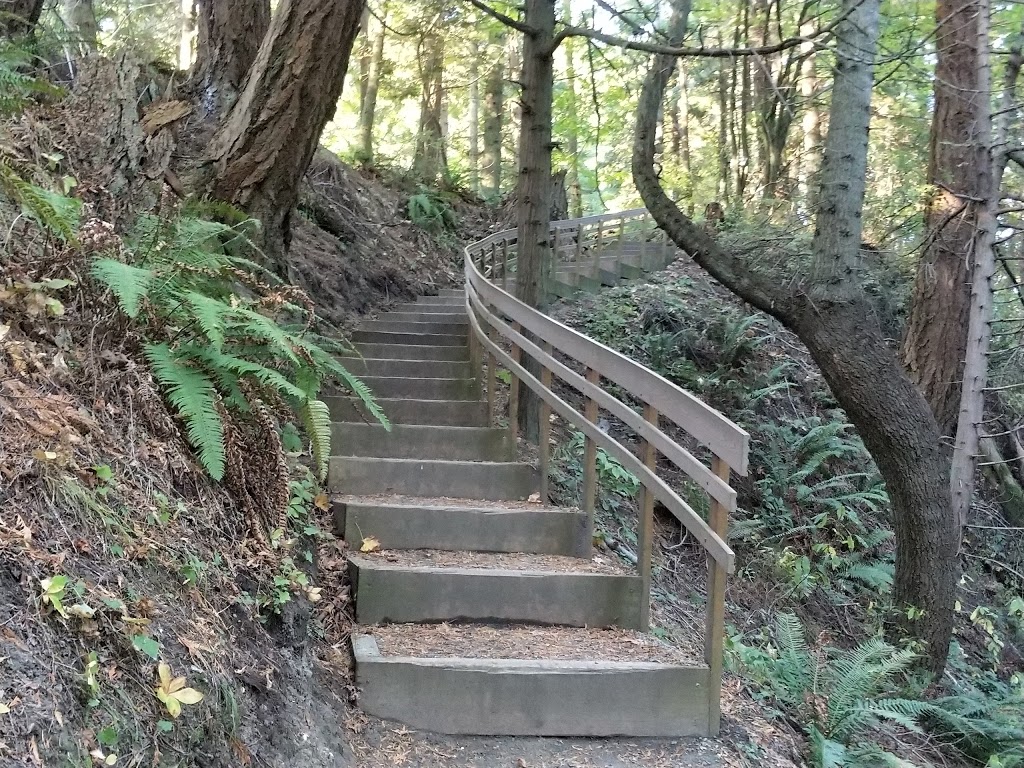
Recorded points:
(474, 115)
(572, 148)
(430, 160)
(269, 136)
(494, 116)
(960, 174)
(19, 17)
(230, 33)
(833, 317)
(377, 29)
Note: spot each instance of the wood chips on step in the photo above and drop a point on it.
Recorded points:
(483, 641)
(419, 558)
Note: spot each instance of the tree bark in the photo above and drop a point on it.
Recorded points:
(19, 17)
(79, 16)
(494, 114)
(810, 161)
(368, 102)
(474, 115)
(572, 144)
(230, 33)
(430, 161)
(839, 329)
(935, 341)
(533, 206)
(271, 133)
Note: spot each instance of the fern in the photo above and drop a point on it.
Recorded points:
(17, 88)
(316, 418)
(194, 395)
(50, 210)
(212, 346)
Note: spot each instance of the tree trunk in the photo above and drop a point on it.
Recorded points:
(429, 161)
(685, 160)
(534, 187)
(494, 113)
(19, 17)
(271, 133)
(474, 116)
(229, 36)
(79, 16)
(835, 321)
(935, 342)
(572, 144)
(368, 103)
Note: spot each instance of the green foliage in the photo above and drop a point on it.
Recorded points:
(217, 334)
(19, 88)
(838, 697)
(430, 211)
(615, 482)
(53, 211)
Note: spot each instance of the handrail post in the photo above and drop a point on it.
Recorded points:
(513, 392)
(544, 430)
(579, 242)
(590, 459)
(645, 535)
(714, 638)
(492, 377)
(598, 247)
(618, 244)
(474, 346)
(504, 263)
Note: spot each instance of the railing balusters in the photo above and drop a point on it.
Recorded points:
(544, 431)
(714, 636)
(645, 535)
(513, 392)
(504, 263)
(590, 459)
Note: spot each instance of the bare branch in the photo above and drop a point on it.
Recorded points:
(508, 21)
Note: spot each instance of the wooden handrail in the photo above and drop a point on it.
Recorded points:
(497, 319)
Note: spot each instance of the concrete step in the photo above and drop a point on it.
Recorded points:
(398, 326)
(432, 309)
(415, 339)
(408, 523)
(450, 292)
(455, 413)
(533, 697)
(417, 441)
(412, 316)
(430, 477)
(446, 301)
(409, 591)
(430, 369)
(423, 389)
(458, 353)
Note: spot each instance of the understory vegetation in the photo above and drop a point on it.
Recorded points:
(813, 537)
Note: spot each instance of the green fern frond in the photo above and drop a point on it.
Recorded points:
(240, 367)
(316, 418)
(243, 321)
(55, 212)
(863, 673)
(128, 283)
(194, 397)
(354, 385)
(209, 314)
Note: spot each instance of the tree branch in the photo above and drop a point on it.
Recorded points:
(702, 52)
(508, 21)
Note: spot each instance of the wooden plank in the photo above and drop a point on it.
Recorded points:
(590, 458)
(645, 536)
(715, 625)
(678, 455)
(705, 424)
(544, 431)
(716, 547)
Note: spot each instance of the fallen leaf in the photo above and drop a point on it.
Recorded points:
(370, 544)
(534, 498)
(4, 709)
(322, 501)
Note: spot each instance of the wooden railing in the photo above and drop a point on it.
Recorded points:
(507, 332)
(587, 246)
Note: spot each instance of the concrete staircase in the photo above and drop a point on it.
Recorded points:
(479, 611)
